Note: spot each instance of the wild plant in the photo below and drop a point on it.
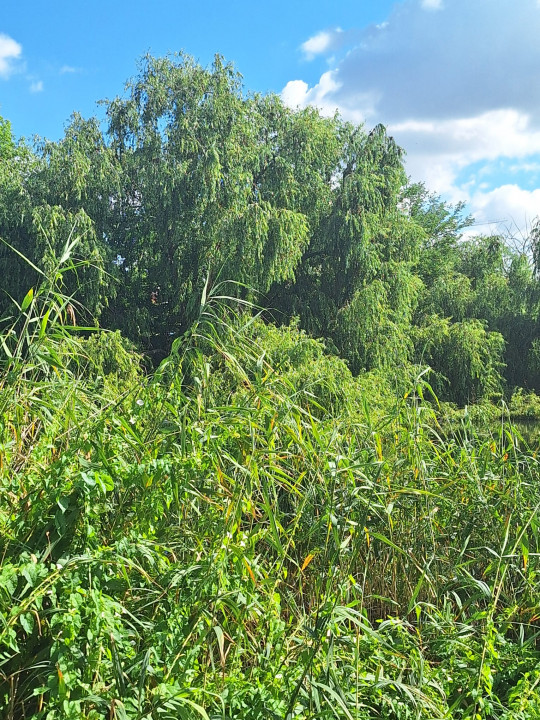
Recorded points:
(239, 535)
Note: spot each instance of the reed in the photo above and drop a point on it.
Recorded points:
(239, 535)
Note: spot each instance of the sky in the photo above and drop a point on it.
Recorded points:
(456, 82)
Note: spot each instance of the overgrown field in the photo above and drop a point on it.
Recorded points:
(251, 532)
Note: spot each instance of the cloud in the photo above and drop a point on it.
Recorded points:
(355, 108)
(532, 167)
(432, 4)
(457, 143)
(297, 93)
(455, 157)
(467, 58)
(36, 86)
(507, 209)
(455, 87)
(324, 42)
(10, 50)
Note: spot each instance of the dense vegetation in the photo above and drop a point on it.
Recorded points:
(195, 182)
(258, 452)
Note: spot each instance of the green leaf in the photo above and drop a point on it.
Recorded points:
(63, 503)
(27, 622)
(44, 321)
(6, 349)
(28, 299)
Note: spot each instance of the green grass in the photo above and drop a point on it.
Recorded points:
(250, 532)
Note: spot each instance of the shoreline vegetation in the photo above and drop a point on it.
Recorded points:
(268, 424)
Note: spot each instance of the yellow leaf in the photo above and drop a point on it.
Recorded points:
(250, 571)
(307, 561)
(378, 445)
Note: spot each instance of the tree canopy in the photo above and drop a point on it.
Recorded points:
(194, 182)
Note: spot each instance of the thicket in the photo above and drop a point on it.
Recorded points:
(204, 513)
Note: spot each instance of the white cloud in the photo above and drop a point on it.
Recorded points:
(433, 4)
(455, 87)
(317, 44)
(532, 167)
(473, 57)
(68, 69)
(507, 209)
(324, 42)
(10, 50)
(36, 86)
(438, 150)
(297, 93)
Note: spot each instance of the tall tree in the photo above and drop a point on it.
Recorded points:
(214, 185)
(197, 182)
(354, 283)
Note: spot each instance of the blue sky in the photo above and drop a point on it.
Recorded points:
(455, 81)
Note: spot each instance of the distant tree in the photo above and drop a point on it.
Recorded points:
(197, 182)
(16, 218)
(467, 359)
(212, 185)
(534, 241)
(42, 213)
(7, 143)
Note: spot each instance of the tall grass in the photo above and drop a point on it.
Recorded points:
(243, 534)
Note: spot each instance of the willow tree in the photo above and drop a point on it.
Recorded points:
(15, 212)
(214, 185)
(46, 215)
(482, 279)
(7, 142)
(196, 182)
(467, 358)
(355, 282)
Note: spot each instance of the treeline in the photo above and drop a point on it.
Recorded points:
(194, 182)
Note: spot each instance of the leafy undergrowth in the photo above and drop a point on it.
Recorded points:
(243, 535)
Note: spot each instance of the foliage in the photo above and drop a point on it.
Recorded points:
(354, 284)
(481, 279)
(196, 182)
(525, 405)
(40, 229)
(467, 357)
(229, 538)
(7, 145)
(262, 521)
